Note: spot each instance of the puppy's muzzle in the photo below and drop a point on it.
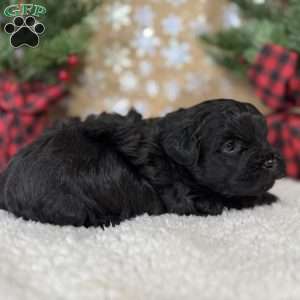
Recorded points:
(275, 165)
(270, 164)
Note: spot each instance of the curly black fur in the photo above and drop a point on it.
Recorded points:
(109, 168)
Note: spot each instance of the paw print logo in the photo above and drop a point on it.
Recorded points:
(24, 31)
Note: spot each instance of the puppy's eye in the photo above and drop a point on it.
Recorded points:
(231, 146)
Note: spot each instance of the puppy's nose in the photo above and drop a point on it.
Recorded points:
(269, 164)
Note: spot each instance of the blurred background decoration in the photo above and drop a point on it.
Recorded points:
(146, 54)
(159, 55)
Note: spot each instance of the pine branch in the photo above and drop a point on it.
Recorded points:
(271, 9)
(272, 22)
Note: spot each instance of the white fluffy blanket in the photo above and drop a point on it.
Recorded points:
(250, 254)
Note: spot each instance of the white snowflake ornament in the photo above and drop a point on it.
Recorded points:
(146, 42)
(128, 82)
(172, 25)
(145, 68)
(152, 88)
(117, 58)
(172, 90)
(176, 54)
(231, 17)
(200, 25)
(144, 16)
(118, 15)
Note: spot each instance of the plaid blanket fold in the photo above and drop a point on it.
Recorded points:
(23, 113)
(284, 134)
(275, 78)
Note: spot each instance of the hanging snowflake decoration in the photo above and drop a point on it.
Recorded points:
(118, 15)
(200, 25)
(145, 68)
(152, 88)
(172, 25)
(144, 16)
(128, 82)
(146, 42)
(172, 90)
(231, 17)
(176, 54)
(117, 58)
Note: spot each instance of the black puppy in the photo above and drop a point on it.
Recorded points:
(109, 168)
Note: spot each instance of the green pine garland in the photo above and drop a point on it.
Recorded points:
(67, 32)
(271, 22)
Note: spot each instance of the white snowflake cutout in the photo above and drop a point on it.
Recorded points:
(128, 82)
(117, 15)
(144, 16)
(145, 68)
(200, 25)
(146, 42)
(152, 88)
(231, 17)
(172, 90)
(172, 25)
(117, 58)
(176, 54)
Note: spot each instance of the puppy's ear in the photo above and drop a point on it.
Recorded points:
(181, 147)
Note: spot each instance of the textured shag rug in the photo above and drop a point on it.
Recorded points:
(249, 254)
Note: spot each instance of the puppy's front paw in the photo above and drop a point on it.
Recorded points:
(250, 202)
(209, 207)
(267, 199)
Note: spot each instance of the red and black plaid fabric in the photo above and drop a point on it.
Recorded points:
(23, 113)
(275, 77)
(284, 134)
